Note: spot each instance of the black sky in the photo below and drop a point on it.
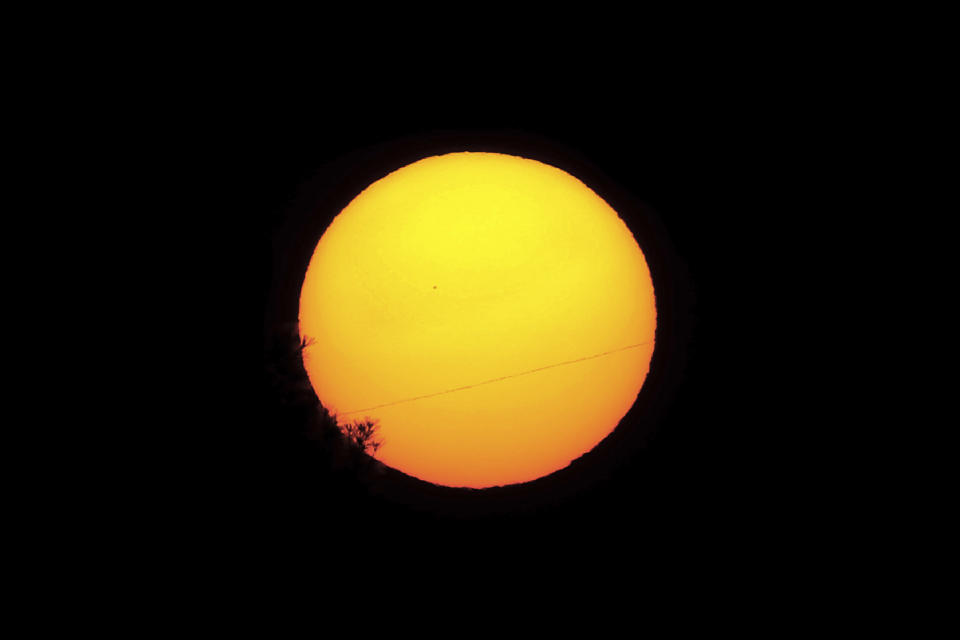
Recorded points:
(703, 167)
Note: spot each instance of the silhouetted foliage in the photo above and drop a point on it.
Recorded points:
(362, 434)
(345, 445)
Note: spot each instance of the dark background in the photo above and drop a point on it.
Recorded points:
(705, 475)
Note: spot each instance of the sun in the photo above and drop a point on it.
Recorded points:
(492, 312)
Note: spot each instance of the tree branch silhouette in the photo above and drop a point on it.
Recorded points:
(345, 445)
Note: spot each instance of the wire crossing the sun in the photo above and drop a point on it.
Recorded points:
(501, 378)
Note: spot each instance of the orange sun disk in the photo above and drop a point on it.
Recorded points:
(493, 313)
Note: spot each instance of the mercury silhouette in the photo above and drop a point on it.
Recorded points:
(492, 312)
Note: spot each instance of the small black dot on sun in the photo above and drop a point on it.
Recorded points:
(434, 286)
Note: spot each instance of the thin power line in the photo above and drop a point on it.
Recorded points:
(492, 380)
